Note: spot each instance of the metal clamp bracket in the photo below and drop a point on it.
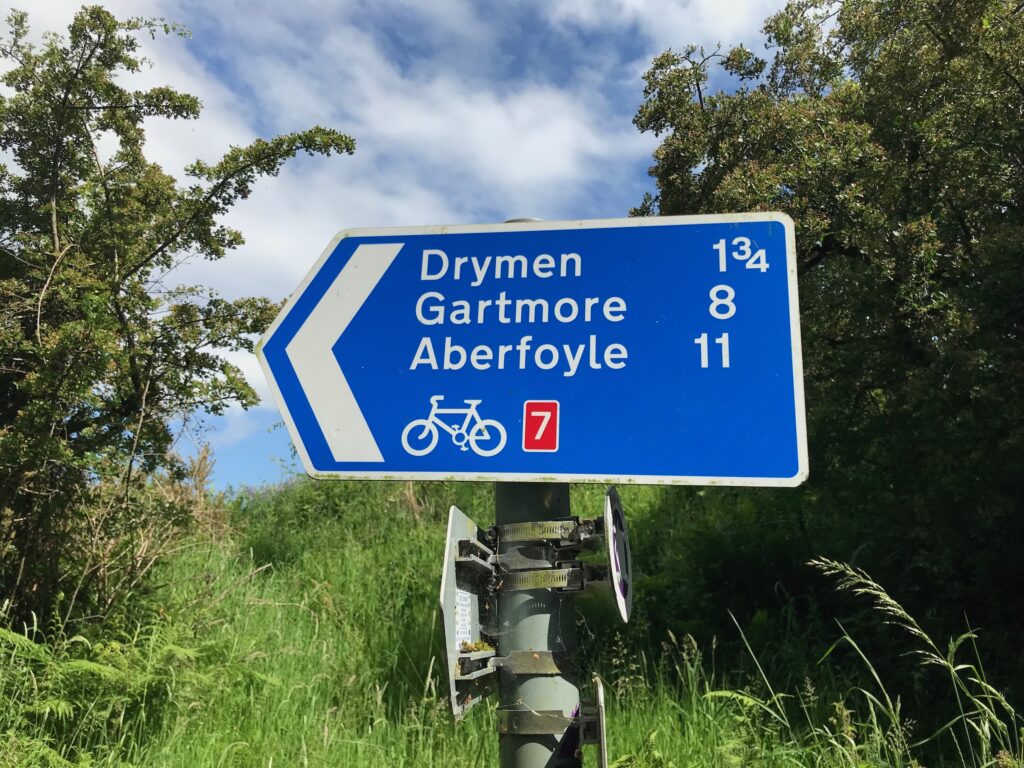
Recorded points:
(473, 665)
(590, 724)
(525, 557)
(535, 663)
(474, 555)
(570, 531)
(541, 530)
(565, 579)
(571, 576)
(529, 722)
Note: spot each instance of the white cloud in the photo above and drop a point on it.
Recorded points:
(234, 427)
(669, 23)
(432, 148)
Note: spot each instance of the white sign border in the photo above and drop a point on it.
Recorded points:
(536, 226)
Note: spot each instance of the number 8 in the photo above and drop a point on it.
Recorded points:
(718, 301)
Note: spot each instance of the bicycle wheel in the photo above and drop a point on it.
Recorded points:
(487, 437)
(422, 442)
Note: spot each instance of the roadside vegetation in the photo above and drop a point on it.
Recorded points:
(298, 627)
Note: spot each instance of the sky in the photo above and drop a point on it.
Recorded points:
(463, 113)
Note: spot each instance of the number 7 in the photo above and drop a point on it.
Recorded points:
(540, 425)
(545, 417)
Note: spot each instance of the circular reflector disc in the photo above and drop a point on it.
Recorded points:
(620, 572)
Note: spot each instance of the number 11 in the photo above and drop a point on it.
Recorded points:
(722, 341)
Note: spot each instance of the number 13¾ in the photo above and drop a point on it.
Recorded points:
(743, 251)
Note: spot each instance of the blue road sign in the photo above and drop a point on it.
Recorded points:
(657, 350)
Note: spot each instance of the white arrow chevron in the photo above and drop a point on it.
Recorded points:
(335, 407)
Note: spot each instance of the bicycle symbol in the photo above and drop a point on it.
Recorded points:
(485, 436)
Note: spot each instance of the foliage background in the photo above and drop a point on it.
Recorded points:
(100, 353)
(892, 133)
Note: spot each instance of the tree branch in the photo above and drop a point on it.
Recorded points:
(59, 256)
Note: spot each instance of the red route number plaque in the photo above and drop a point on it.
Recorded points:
(540, 425)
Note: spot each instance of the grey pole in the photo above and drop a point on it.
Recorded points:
(536, 620)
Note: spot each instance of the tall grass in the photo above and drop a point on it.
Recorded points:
(986, 730)
(306, 635)
(70, 701)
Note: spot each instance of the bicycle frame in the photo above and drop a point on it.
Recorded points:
(471, 416)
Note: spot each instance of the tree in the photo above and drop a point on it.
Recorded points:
(97, 359)
(892, 133)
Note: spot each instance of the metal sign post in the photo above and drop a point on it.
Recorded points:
(535, 354)
(507, 604)
(539, 706)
